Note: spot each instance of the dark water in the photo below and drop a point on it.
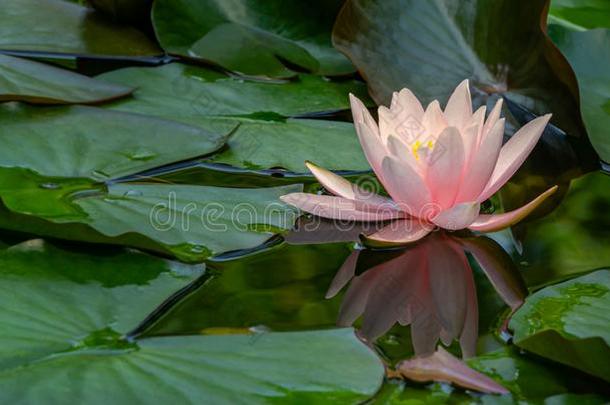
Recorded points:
(451, 287)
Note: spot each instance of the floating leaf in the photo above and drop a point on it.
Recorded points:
(94, 143)
(568, 323)
(431, 46)
(263, 39)
(57, 26)
(69, 326)
(580, 14)
(270, 132)
(589, 54)
(37, 83)
(52, 169)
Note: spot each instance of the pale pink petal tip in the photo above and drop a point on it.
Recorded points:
(458, 217)
(399, 232)
(496, 222)
(513, 154)
(332, 207)
(443, 366)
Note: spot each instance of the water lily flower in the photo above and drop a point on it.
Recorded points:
(437, 166)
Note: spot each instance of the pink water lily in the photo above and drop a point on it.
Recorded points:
(437, 166)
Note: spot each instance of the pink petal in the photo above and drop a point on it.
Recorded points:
(445, 165)
(400, 232)
(470, 332)
(442, 366)
(471, 133)
(390, 295)
(494, 115)
(341, 187)
(356, 297)
(404, 153)
(327, 206)
(492, 223)
(362, 115)
(433, 121)
(403, 119)
(344, 275)
(447, 270)
(373, 148)
(481, 164)
(459, 216)
(499, 268)
(406, 101)
(316, 230)
(459, 106)
(425, 329)
(404, 184)
(514, 153)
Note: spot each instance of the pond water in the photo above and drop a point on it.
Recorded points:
(451, 287)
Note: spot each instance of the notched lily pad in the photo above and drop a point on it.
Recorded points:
(568, 323)
(62, 164)
(272, 128)
(69, 326)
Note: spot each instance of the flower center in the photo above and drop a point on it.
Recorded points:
(417, 145)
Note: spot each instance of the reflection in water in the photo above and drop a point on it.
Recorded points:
(429, 286)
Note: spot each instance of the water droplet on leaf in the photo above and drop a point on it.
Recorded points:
(141, 154)
(50, 186)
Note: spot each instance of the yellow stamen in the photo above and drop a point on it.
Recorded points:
(416, 146)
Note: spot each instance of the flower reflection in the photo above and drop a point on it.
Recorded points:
(429, 286)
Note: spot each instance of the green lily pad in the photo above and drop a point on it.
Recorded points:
(67, 338)
(37, 83)
(58, 26)
(434, 45)
(259, 40)
(271, 131)
(52, 169)
(580, 14)
(568, 323)
(589, 54)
